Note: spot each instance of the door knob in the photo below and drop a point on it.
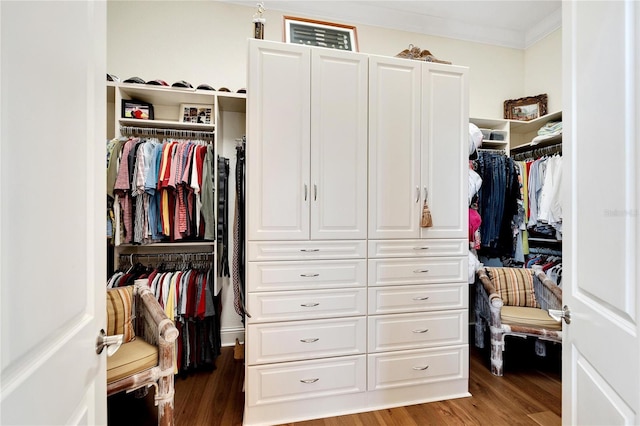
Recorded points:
(112, 343)
(558, 314)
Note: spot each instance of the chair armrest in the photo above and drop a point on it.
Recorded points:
(154, 313)
(548, 294)
(489, 303)
(494, 297)
(157, 329)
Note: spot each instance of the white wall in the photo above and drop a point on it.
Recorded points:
(206, 42)
(543, 70)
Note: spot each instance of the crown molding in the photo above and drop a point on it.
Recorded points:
(401, 17)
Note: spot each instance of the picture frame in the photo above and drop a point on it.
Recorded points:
(312, 32)
(196, 114)
(137, 109)
(526, 109)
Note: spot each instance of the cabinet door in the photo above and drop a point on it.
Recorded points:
(278, 191)
(394, 148)
(444, 151)
(338, 145)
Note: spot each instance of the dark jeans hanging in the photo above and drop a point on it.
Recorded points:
(497, 203)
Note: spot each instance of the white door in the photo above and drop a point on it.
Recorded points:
(278, 150)
(394, 147)
(338, 144)
(601, 356)
(52, 212)
(445, 168)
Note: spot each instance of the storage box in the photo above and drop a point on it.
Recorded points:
(497, 135)
(486, 134)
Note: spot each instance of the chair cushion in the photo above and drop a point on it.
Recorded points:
(528, 317)
(514, 285)
(131, 358)
(120, 312)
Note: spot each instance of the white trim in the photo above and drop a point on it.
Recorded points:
(228, 336)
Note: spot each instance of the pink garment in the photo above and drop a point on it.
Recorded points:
(474, 227)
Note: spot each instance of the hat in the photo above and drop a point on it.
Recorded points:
(134, 80)
(205, 87)
(243, 90)
(157, 82)
(223, 89)
(182, 83)
(111, 77)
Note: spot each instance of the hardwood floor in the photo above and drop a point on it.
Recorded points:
(529, 393)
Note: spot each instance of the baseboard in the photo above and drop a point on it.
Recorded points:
(229, 336)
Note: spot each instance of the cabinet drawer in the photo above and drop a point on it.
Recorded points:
(299, 340)
(302, 380)
(417, 248)
(297, 250)
(307, 304)
(411, 331)
(314, 274)
(413, 298)
(416, 367)
(417, 271)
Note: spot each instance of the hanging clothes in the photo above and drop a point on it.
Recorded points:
(186, 295)
(223, 216)
(164, 190)
(238, 272)
(497, 203)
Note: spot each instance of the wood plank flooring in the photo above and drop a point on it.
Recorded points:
(529, 393)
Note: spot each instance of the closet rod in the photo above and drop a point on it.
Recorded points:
(496, 150)
(176, 133)
(166, 257)
(538, 152)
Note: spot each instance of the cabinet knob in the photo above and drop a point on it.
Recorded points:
(420, 271)
(310, 340)
(309, 275)
(424, 330)
(309, 305)
(421, 368)
(308, 381)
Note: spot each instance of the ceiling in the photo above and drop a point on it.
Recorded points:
(509, 23)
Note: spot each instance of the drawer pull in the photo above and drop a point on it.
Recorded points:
(421, 368)
(309, 305)
(421, 248)
(309, 275)
(309, 250)
(309, 380)
(420, 271)
(421, 298)
(310, 340)
(421, 331)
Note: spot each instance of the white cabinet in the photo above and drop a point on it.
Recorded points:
(306, 232)
(417, 148)
(308, 148)
(278, 155)
(394, 148)
(353, 306)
